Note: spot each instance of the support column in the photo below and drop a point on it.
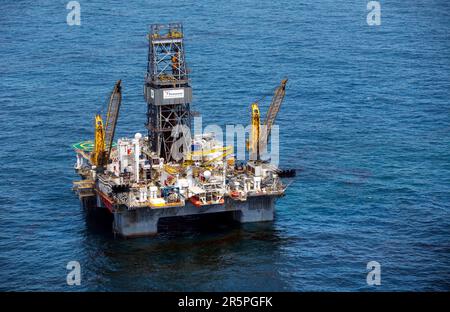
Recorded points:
(139, 222)
(256, 209)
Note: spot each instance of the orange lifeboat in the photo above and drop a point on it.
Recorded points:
(197, 203)
(234, 194)
(194, 200)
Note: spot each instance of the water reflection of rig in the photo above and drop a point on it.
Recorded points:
(143, 179)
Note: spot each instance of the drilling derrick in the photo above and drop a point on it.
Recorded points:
(167, 92)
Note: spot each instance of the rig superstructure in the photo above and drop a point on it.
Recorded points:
(143, 179)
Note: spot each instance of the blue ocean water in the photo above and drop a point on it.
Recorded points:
(365, 121)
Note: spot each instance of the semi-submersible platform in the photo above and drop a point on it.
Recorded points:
(146, 178)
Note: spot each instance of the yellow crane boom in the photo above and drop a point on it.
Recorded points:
(98, 152)
(260, 138)
(255, 143)
(104, 134)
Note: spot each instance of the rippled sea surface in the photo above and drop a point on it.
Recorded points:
(365, 121)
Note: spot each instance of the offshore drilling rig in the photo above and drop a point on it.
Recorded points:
(141, 180)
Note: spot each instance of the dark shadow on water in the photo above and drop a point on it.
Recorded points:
(99, 221)
(208, 223)
(188, 253)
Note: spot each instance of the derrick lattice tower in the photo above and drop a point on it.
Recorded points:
(167, 91)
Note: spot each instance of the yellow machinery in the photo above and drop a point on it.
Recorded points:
(228, 150)
(98, 153)
(175, 64)
(255, 135)
(260, 138)
(180, 168)
(104, 135)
